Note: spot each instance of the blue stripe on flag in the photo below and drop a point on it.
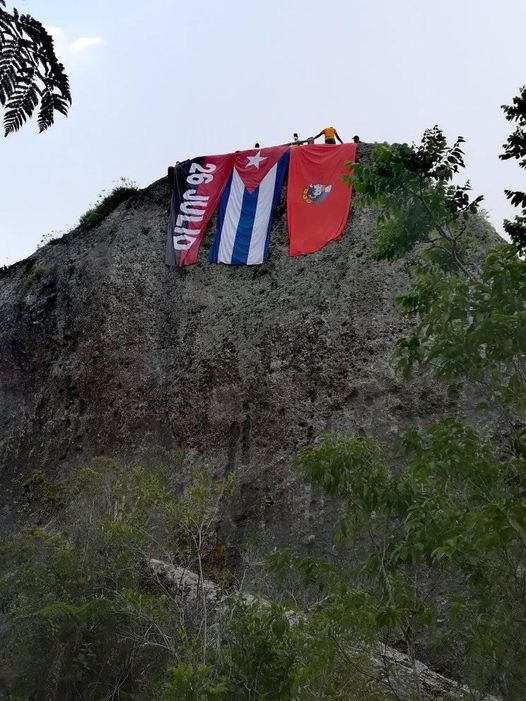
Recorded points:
(245, 227)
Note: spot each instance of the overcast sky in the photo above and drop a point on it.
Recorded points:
(158, 81)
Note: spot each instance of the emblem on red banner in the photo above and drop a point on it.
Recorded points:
(314, 194)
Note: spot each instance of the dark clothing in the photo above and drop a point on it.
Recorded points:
(330, 141)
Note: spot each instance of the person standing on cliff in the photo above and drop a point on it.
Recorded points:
(330, 135)
(296, 141)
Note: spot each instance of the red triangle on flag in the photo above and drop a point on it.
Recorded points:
(254, 164)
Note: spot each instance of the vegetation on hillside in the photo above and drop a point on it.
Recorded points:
(105, 204)
(442, 514)
(84, 616)
(446, 561)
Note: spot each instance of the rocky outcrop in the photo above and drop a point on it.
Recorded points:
(105, 350)
(388, 666)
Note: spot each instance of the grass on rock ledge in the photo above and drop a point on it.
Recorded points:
(106, 204)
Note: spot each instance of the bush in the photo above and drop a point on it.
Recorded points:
(84, 616)
(106, 204)
(81, 612)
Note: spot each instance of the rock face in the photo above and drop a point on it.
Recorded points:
(105, 350)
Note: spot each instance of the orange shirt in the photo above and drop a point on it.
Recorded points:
(329, 133)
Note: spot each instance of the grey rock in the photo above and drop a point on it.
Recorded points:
(106, 351)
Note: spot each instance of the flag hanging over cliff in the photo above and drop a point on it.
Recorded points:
(198, 184)
(247, 206)
(318, 200)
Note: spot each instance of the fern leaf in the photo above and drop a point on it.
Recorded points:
(29, 72)
(20, 106)
(45, 115)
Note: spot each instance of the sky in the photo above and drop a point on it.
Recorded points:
(158, 81)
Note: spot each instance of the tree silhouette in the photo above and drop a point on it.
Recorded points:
(515, 147)
(30, 73)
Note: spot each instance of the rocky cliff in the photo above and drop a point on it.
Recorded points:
(105, 350)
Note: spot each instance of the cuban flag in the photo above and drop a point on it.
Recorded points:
(247, 206)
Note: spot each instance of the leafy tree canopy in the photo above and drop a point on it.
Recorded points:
(437, 519)
(470, 311)
(515, 147)
(30, 74)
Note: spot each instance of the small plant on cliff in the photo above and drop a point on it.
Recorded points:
(51, 238)
(105, 204)
(42, 495)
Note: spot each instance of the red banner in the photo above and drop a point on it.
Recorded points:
(318, 200)
(198, 185)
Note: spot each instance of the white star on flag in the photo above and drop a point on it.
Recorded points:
(255, 160)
